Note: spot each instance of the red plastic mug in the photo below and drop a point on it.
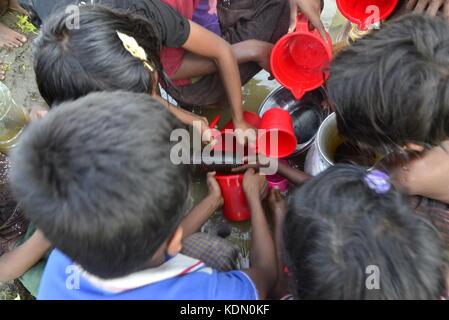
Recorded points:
(276, 138)
(235, 206)
(366, 12)
(300, 60)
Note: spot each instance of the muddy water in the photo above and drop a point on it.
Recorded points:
(254, 93)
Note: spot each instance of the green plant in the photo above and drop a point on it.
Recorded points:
(25, 25)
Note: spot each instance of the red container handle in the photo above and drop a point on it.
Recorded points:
(302, 23)
(214, 122)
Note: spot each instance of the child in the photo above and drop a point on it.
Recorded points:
(95, 175)
(348, 234)
(390, 93)
(154, 25)
(251, 27)
(98, 56)
(193, 54)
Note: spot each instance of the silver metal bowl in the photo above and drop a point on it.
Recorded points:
(307, 113)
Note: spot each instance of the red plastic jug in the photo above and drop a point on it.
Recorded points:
(366, 12)
(300, 60)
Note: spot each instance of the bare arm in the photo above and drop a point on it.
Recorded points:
(295, 176)
(263, 267)
(188, 118)
(278, 210)
(204, 210)
(194, 65)
(207, 44)
(15, 263)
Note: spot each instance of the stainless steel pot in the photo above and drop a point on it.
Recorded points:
(307, 113)
(321, 154)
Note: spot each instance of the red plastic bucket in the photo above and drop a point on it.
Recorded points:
(300, 60)
(235, 206)
(366, 12)
(276, 138)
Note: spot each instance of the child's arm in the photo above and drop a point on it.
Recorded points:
(194, 65)
(295, 176)
(202, 212)
(263, 268)
(188, 118)
(16, 262)
(206, 43)
(278, 209)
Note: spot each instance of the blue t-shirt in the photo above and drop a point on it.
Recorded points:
(62, 281)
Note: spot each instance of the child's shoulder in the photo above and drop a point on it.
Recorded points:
(182, 278)
(208, 284)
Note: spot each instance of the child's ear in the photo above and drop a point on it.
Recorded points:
(410, 146)
(174, 245)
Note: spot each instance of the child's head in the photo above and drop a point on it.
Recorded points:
(339, 232)
(73, 60)
(392, 87)
(95, 175)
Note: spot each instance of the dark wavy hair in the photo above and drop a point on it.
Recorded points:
(392, 86)
(71, 62)
(89, 175)
(336, 228)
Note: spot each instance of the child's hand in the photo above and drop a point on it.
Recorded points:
(277, 205)
(431, 7)
(255, 185)
(214, 189)
(37, 112)
(261, 162)
(312, 10)
(241, 137)
(264, 50)
(201, 124)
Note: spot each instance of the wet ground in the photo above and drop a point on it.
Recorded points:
(20, 76)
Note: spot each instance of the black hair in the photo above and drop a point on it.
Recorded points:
(71, 62)
(95, 176)
(392, 86)
(336, 228)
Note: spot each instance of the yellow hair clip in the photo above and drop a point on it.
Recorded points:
(134, 49)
